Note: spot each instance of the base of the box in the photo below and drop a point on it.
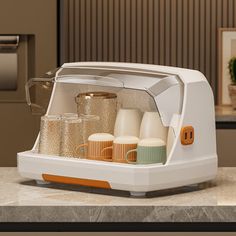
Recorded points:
(137, 194)
(41, 182)
(137, 179)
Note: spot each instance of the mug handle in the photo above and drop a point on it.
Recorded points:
(127, 154)
(104, 149)
(82, 145)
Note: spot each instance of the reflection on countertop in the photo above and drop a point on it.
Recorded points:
(23, 200)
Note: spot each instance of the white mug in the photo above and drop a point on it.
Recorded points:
(152, 127)
(128, 122)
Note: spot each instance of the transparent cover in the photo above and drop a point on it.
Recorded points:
(38, 92)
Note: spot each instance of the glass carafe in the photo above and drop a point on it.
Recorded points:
(101, 104)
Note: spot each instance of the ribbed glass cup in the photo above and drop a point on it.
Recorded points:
(50, 135)
(75, 131)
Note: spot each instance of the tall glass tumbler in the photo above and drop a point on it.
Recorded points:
(50, 135)
(75, 131)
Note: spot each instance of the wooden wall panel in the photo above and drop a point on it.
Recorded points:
(167, 32)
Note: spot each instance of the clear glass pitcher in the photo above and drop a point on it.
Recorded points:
(101, 104)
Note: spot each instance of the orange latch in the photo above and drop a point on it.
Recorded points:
(187, 135)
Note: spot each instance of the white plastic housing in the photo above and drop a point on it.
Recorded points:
(169, 90)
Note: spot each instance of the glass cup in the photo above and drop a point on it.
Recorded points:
(75, 131)
(50, 135)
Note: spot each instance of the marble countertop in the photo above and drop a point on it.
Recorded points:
(225, 114)
(22, 200)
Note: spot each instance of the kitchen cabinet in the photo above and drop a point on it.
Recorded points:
(226, 147)
(36, 24)
(226, 135)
